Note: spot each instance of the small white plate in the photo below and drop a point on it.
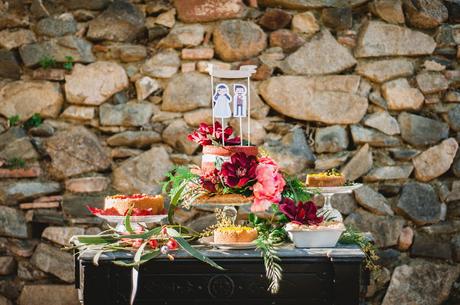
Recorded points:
(235, 246)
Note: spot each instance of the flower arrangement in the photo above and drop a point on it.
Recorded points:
(212, 135)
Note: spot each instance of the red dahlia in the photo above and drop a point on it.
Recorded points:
(240, 170)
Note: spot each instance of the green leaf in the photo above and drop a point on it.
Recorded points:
(174, 203)
(127, 221)
(190, 250)
(96, 239)
(13, 120)
(137, 256)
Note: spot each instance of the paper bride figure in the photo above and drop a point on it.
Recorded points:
(239, 101)
(222, 100)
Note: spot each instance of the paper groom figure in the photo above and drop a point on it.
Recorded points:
(239, 101)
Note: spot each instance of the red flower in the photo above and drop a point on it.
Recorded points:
(205, 135)
(303, 212)
(240, 170)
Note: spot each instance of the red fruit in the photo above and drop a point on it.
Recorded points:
(172, 244)
(153, 243)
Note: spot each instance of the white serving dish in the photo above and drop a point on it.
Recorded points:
(319, 238)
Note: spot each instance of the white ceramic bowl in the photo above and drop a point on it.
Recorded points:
(320, 238)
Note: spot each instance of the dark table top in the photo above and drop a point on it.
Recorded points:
(284, 251)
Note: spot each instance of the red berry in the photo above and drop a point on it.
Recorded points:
(153, 243)
(172, 244)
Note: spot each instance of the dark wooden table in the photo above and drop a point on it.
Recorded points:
(311, 276)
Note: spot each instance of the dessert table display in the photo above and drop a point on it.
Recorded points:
(132, 260)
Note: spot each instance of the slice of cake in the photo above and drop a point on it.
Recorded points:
(234, 234)
(326, 179)
(122, 203)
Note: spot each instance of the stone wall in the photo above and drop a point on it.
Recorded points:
(370, 87)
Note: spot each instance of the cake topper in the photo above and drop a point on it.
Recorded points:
(241, 101)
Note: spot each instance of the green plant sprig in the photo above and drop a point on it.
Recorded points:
(353, 236)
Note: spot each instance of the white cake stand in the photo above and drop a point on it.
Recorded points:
(137, 222)
(229, 209)
(328, 192)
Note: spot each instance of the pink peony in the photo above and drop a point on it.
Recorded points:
(269, 186)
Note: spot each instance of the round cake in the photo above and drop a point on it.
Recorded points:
(325, 179)
(211, 154)
(225, 199)
(234, 234)
(122, 203)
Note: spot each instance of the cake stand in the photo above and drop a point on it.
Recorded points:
(328, 192)
(228, 208)
(137, 222)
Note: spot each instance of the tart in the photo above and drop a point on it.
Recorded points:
(234, 234)
(123, 203)
(326, 179)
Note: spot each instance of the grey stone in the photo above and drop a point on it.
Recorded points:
(21, 148)
(331, 99)
(432, 82)
(344, 203)
(420, 203)
(121, 21)
(403, 154)
(144, 173)
(308, 4)
(138, 139)
(61, 235)
(453, 6)
(25, 190)
(87, 4)
(74, 151)
(28, 272)
(321, 55)
(9, 66)
(384, 122)
(54, 261)
(418, 130)
(7, 265)
(359, 165)
(386, 69)
(202, 223)
(292, 153)
(331, 139)
(49, 294)
(400, 95)
(11, 135)
(25, 98)
(74, 205)
(95, 83)
(57, 25)
(12, 223)
(129, 114)
(337, 18)
(381, 39)
(453, 117)
(421, 282)
(275, 19)
(328, 161)
(182, 36)
(389, 10)
(456, 247)
(164, 64)
(431, 247)
(425, 14)
(373, 201)
(372, 137)
(385, 229)
(436, 160)
(175, 135)
(59, 49)
(389, 173)
(186, 91)
(238, 40)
